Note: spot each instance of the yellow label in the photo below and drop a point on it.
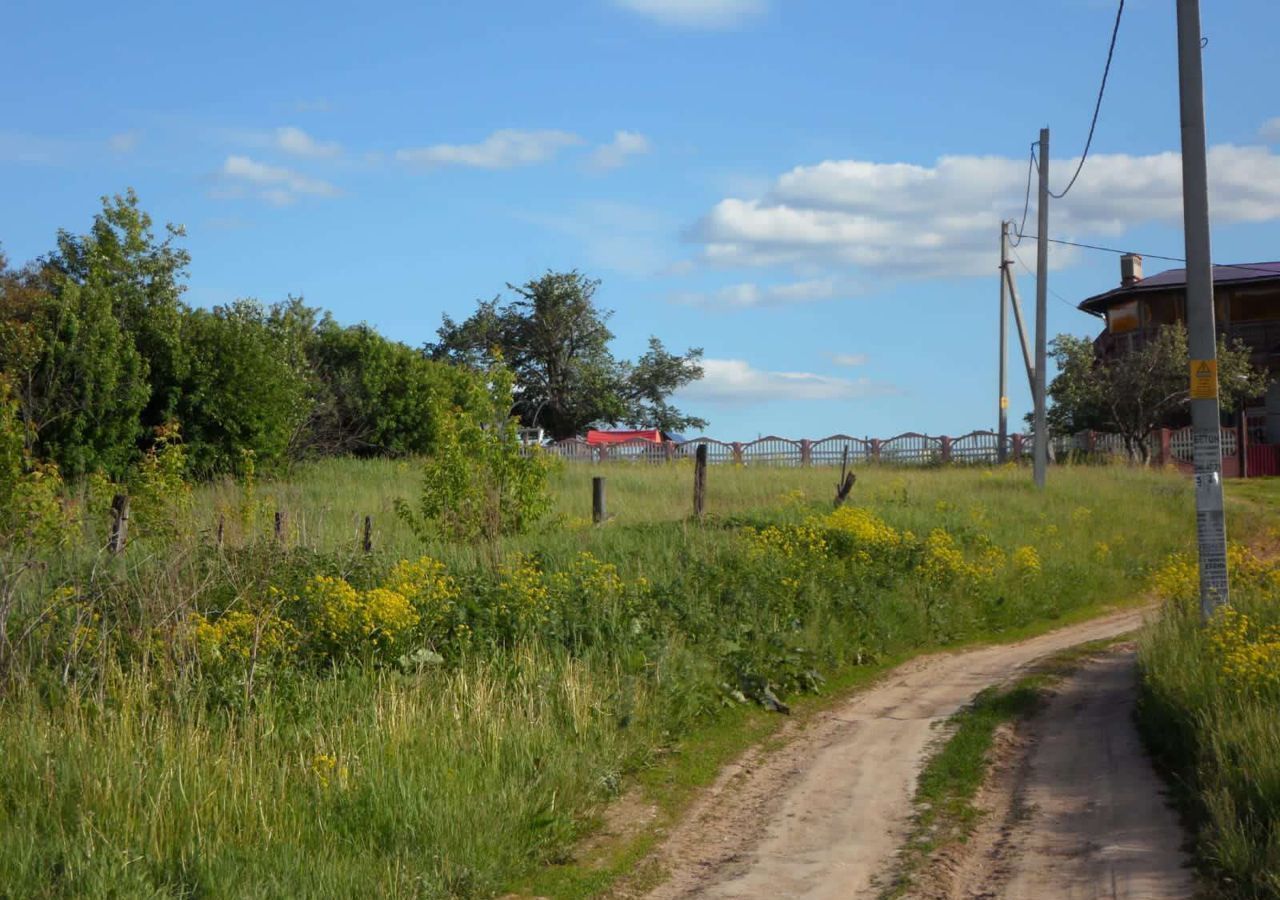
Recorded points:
(1004, 402)
(1204, 379)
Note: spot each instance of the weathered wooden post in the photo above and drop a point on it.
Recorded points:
(1017, 448)
(946, 449)
(847, 478)
(367, 543)
(737, 452)
(119, 523)
(875, 449)
(222, 524)
(280, 526)
(597, 500)
(806, 452)
(700, 481)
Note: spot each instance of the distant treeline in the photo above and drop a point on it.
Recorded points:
(101, 354)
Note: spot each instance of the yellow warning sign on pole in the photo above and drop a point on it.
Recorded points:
(1204, 379)
(1004, 402)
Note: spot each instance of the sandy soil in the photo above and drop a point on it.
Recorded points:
(822, 815)
(1076, 810)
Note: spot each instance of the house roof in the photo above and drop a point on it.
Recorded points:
(1177, 278)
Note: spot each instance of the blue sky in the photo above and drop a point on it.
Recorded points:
(809, 190)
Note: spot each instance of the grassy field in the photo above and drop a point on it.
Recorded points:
(306, 720)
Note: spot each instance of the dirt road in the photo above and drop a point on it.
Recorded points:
(1080, 812)
(822, 816)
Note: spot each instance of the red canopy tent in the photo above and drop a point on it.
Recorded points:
(596, 438)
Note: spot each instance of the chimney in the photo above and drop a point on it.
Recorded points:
(1130, 269)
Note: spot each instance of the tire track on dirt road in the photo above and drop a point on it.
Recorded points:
(823, 816)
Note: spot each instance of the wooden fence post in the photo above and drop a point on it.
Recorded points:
(367, 543)
(597, 500)
(946, 449)
(875, 449)
(119, 523)
(222, 524)
(737, 452)
(806, 452)
(1017, 447)
(1166, 447)
(700, 481)
(280, 517)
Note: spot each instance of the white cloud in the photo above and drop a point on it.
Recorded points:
(849, 359)
(124, 142)
(1270, 131)
(503, 149)
(614, 154)
(297, 142)
(904, 219)
(697, 13)
(733, 381)
(749, 295)
(274, 184)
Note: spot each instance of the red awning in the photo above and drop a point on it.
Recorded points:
(652, 435)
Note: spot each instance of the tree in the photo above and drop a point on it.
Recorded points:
(122, 259)
(79, 381)
(246, 387)
(555, 341)
(378, 396)
(1146, 388)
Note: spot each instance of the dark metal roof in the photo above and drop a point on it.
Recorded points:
(1177, 278)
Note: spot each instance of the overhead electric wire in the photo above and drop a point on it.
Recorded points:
(1026, 202)
(1179, 259)
(1097, 107)
(1056, 295)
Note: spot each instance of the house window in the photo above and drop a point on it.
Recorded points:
(1123, 317)
(1165, 310)
(1257, 305)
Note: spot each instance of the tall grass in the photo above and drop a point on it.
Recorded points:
(134, 762)
(1210, 710)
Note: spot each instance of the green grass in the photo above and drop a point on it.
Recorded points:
(124, 767)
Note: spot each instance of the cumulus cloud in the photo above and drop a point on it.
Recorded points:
(849, 359)
(624, 145)
(504, 149)
(749, 295)
(734, 381)
(904, 219)
(697, 13)
(297, 142)
(124, 142)
(242, 176)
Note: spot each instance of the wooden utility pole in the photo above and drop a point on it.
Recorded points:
(1040, 462)
(1211, 526)
(366, 543)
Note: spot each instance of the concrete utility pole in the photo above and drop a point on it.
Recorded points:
(1003, 430)
(1041, 460)
(1022, 329)
(1211, 527)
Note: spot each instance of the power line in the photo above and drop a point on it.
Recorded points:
(1026, 202)
(1059, 297)
(1246, 266)
(1097, 107)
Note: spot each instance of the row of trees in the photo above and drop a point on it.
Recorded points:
(101, 353)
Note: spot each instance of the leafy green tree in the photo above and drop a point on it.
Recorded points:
(246, 387)
(479, 483)
(556, 342)
(79, 381)
(1134, 393)
(378, 396)
(121, 259)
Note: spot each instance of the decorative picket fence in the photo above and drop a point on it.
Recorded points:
(908, 449)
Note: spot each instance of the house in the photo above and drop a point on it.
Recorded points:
(1246, 301)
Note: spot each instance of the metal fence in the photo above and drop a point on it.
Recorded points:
(907, 449)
